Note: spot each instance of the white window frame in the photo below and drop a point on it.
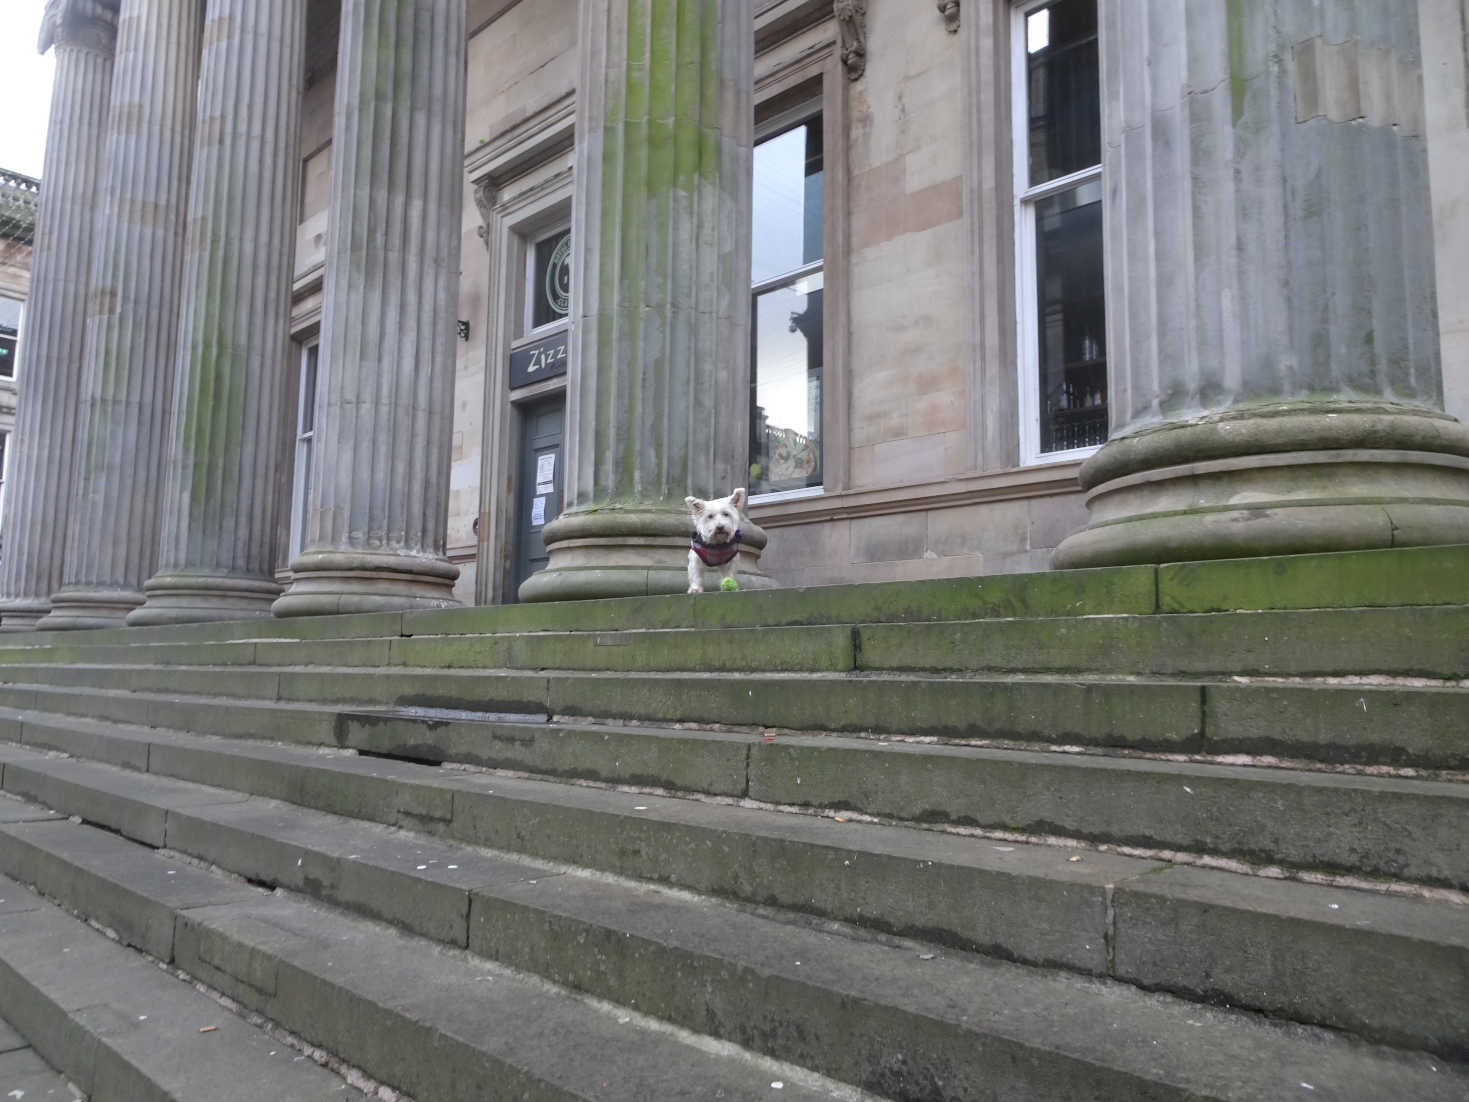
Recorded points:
(1026, 199)
(304, 442)
(771, 128)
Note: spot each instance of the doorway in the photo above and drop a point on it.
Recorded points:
(538, 484)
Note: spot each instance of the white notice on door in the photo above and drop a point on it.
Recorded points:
(538, 512)
(545, 472)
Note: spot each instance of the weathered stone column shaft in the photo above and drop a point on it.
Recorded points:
(663, 206)
(658, 396)
(132, 323)
(43, 449)
(1268, 215)
(1273, 344)
(378, 507)
(218, 546)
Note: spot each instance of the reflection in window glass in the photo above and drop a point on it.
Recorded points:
(550, 287)
(305, 432)
(1058, 184)
(7, 352)
(1072, 321)
(787, 202)
(1063, 89)
(785, 379)
(786, 305)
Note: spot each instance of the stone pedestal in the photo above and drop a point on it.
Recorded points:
(218, 548)
(132, 317)
(43, 447)
(658, 399)
(1270, 292)
(379, 498)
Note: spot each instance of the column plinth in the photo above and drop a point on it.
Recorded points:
(39, 493)
(217, 551)
(1276, 385)
(658, 393)
(132, 317)
(379, 500)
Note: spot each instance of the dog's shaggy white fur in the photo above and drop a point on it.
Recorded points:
(717, 528)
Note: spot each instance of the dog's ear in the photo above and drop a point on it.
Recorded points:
(695, 506)
(737, 499)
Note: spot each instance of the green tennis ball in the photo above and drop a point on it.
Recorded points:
(728, 585)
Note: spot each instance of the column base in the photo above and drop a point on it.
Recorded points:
(80, 608)
(635, 551)
(1288, 479)
(327, 583)
(186, 598)
(23, 614)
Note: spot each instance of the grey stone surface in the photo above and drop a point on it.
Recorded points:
(446, 1024)
(126, 1031)
(218, 544)
(42, 449)
(23, 1074)
(130, 890)
(660, 293)
(1391, 968)
(136, 806)
(1270, 288)
(132, 317)
(375, 536)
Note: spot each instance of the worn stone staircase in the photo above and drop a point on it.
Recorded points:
(1198, 831)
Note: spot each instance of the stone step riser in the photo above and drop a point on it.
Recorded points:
(1396, 642)
(1353, 724)
(1400, 577)
(270, 956)
(1368, 826)
(1285, 963)
(1405, 989)
(116, 1025)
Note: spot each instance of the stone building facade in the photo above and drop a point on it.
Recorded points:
(19, 197)
(901, 267)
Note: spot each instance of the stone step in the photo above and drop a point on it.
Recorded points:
(1387, 642)
(433, 1022)
(887, 1016)
(124, 1030)
(1357, 724)
(1410, 576)
(1352, 824)
(25, 1075)
(1270, 944)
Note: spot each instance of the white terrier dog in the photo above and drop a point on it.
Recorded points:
(716, 540)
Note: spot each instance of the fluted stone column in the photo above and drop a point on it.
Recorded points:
(658, 397)
(1270, 292)
(217, 553)
(38, 497)
(132, 316)
(379, 499)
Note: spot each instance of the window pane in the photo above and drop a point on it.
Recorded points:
(1071, 319)
(306, 417)
(1063, 94)
(7, 353)
(787, 201)
(785, 388)
(550, 289)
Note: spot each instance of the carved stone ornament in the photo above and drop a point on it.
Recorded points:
(949, 9)
(484, 201)
(91, 24)
(851, 16)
